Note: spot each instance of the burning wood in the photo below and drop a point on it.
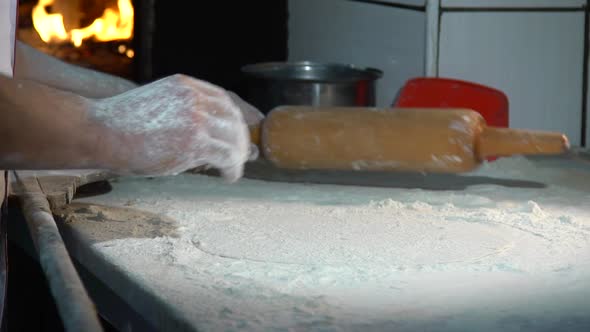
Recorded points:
(62, 24)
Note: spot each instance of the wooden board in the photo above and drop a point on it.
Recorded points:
(58, 186)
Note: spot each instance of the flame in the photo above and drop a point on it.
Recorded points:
(112, 25)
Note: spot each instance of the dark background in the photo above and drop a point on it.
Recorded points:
(211, 40)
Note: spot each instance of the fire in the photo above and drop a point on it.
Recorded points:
(112, 25)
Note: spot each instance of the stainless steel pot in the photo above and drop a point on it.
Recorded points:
(275, 84)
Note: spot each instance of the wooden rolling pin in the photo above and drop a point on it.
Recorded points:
(371, 139)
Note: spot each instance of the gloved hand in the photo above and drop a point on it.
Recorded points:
(172, 125)
(252, 116)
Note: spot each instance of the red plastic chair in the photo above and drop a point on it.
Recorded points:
(492, 104)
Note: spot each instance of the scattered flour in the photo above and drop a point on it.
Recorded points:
(270, 256)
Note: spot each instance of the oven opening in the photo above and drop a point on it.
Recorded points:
(96, 34)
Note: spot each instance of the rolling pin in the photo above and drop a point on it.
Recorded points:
(400, 139)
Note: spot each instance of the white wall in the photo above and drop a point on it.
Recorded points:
(7, 35)
(536, 58)
(588, 102)
(370, 35)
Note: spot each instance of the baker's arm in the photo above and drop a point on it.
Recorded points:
(165, 127)
(44, 128)
(32, 64)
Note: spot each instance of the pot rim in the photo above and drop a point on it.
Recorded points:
(310, 71)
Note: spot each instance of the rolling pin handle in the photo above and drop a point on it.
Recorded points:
(255, 133)
(503, 142)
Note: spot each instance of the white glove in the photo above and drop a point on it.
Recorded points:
(172, 125)
(252, 116)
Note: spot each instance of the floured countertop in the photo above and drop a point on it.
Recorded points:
(509, 251)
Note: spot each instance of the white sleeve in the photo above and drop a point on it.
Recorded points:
(8, 12)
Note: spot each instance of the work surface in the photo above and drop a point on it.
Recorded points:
(506, 248)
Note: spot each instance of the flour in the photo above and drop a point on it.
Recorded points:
(462, 126)
(261, 256)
